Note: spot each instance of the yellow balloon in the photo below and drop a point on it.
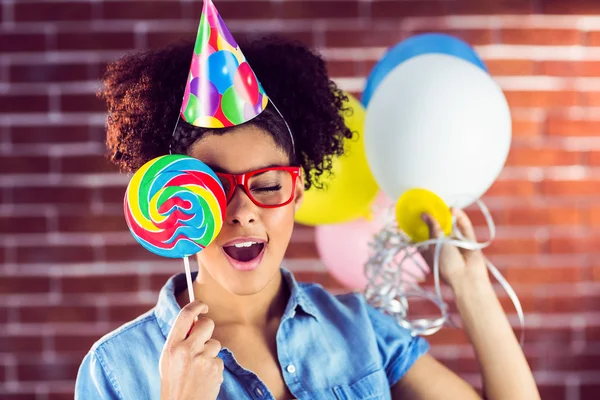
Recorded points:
(413, 204)
(349, 192)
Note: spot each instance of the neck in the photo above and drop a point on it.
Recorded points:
(226, 308)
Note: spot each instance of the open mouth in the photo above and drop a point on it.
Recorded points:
(244, 252)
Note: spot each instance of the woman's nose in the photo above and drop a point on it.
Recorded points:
(241, 210)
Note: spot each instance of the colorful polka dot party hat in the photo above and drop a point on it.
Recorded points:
(221, 89)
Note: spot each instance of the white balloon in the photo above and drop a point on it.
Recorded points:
(440, 123)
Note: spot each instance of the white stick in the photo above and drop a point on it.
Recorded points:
(188, 277)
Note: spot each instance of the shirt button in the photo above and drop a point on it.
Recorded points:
(291, 369)
(259, 392)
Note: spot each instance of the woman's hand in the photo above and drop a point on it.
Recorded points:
(189, 366)
(457, 266)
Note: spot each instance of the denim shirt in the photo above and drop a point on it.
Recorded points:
(329, 347)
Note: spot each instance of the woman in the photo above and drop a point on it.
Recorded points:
(255, 332)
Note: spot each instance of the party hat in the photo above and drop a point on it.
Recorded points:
(221, 89)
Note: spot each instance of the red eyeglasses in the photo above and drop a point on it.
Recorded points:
(270, 187)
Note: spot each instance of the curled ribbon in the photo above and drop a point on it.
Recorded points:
(388, 291)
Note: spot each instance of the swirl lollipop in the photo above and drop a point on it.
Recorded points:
(174, 206)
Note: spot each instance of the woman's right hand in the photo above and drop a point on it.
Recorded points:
(189, 366)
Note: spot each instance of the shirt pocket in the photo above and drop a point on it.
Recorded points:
(374, 386)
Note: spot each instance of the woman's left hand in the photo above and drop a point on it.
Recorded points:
(457, 266)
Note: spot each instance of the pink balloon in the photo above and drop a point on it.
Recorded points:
(344, 248)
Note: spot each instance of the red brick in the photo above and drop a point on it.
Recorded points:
(18, 103)
(511, 188)
(592, 38)
(52, 195)
(16, 284)
(22, 224)
(3, 316)
(318, 9)
(542, 99)
(353, 37)
(593, 216)
(580, 304)
(539, 36)
(95, 40)
(526, 128)
(22, 42)
(544, 216)
(563, 7)
(50, 72)
(538, 275)
(302, 250)
(510, 67)
(92, 223)
(552, 392)
(540, 336)
(483, 7)
(570, 188)
(302, 36)
(157, 281)
(590, 99)
(19, 344)
(568, 362)
(81, 103)
(474, 37)
(23, 394)
(54, 11)
(129, 252)
(70, 343)
(449, 335)
(162, 9)
(397, 9)
(112, 194)
(126, 313)
(239, 10)
(54, 314)
(565, 127)
(55, 371)
(49, 134)
(24, 164)
(346, 68)
(54, 254)
(100, 284)
(574, 245)
(514, 246)
(86, 164)
(588, 391)
(569, 68)
(56, 395)
(543, 157)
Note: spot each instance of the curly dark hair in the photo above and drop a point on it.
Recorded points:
(144, 91)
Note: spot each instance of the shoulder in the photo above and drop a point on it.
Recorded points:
(117, 363)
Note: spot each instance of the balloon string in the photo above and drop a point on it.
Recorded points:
(392, 298)
(188, 277)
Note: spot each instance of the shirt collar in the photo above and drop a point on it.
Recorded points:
(167, 309)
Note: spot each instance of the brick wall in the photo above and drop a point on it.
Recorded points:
(71, 272)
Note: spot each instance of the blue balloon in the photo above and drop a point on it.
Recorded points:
(416, 46)
(222, 67)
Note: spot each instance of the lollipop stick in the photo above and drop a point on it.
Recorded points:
(188, 277)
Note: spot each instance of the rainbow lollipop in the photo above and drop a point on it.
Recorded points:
(175, 206)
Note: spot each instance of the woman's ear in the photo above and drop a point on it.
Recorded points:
(299, 191)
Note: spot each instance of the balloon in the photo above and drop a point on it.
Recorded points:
(245, 84)
(344, 249)
(438, 123)
(233, 106)
(221, 69)
(349, 192)
(416, 46)
(207, 95)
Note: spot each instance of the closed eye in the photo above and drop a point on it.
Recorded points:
(267, 189)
